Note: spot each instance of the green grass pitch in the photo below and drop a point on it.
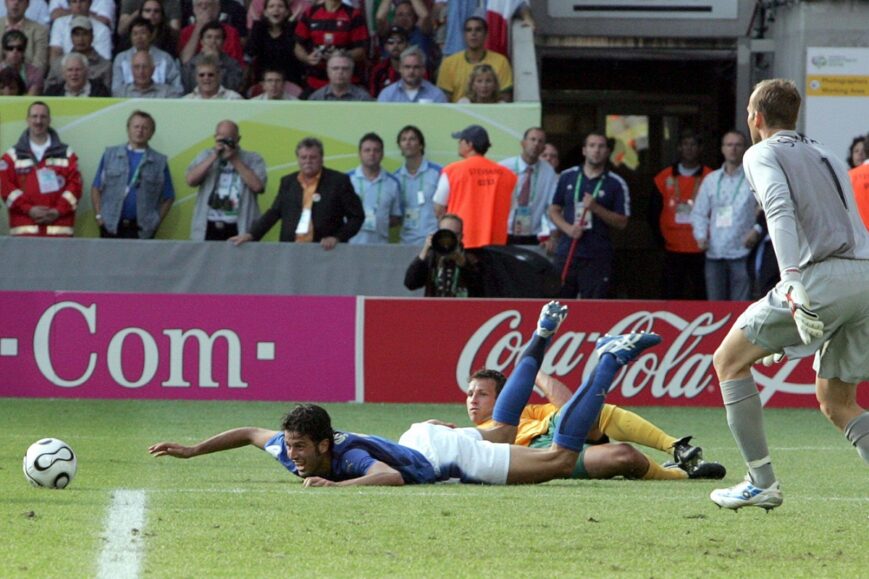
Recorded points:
(239, 514)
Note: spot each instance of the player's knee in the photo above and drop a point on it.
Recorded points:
(628, 461)
(724, 363)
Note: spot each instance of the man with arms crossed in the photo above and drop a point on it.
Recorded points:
(821, 305)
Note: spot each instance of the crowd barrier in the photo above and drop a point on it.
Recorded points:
(332, 349)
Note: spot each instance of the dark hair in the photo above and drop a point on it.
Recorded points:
(690, 134)
(735, 132)
(370, 137)
(856, 141)
(309, 420)
(529, 129)
(38, 103)
(597, 134)
(139, 21)
(415, 130)
(10, 77)
(14, 35)
(310, 143)
(213, 25)
(272, 70)
(487, 374)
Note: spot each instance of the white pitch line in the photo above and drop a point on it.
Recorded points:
(121, 557)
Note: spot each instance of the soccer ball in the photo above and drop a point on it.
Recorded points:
(49, 463)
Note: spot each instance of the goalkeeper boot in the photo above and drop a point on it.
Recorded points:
(706, 470)
(551, 317)
(626, 347)
(745, 494)
(685, 455)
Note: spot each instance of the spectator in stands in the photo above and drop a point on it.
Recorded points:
(857, 151)
(132, 191)
(75, 79)
(37, 11)
(340, 72)
(723, 218)
(324, 28)
(477, 190)
(418, 178)
(414, 17)
(204, 12)
(550, 155)
(379, 192)
(61, 40)
(528, 223)
(228, 180)
(860, 181)
(132, 9)
(99, 68)
(588, 201)
(143, 85)
(315, 204)
(36, 33)
(102, 10)
(482, 86)
(11, 83)
(273, 87)
(455, 70)
(256, 9)
(231, 12)
(208, 82)
(452, 13)
(272, 43)
(676, 187)
(387, 69)
(41, 181)
(412, 88)
(165, 35)
(443, 267)
(14, 47)
(166, 70)
(231, 74)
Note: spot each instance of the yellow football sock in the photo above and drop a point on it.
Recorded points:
(658, 472)
(623, 425)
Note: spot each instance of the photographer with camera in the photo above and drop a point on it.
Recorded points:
(443, 267)
(229, 179)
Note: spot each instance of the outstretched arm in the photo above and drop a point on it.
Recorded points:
(235, 438)
(379, 474)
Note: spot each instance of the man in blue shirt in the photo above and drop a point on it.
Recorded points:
(412, 88)
(132, 191)
(378, 191)
(431, 452)
(418, 178)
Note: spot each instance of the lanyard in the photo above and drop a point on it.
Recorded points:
(578, 187)
(361, 193)
(735, 190)
(533, 177)
(678, 194)
(420, 175)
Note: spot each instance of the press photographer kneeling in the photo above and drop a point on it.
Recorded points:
(443, 267)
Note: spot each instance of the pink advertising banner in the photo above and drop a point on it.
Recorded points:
(192, 347)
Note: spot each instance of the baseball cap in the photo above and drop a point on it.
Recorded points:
(476, 136)
(397, 31)
(80, 22)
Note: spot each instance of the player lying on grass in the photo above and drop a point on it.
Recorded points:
(599, 459)
(428, 453)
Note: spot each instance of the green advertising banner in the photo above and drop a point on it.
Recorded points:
(272, 129)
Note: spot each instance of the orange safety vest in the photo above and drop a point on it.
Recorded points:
(860, 182)
(678, 193)
(481, 193)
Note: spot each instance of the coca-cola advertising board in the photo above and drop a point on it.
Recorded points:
(200, 347)
(418, 350)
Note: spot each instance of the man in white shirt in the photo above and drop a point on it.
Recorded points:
(60, 42)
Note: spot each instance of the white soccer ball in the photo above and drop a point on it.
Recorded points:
(49, 463)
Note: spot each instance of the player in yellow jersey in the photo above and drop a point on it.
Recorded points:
(599, 459)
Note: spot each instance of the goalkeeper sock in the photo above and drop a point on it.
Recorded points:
(745, 419)
(857, 433)
(658, 472)
(519, 386)
(583, 408)
(627, 426)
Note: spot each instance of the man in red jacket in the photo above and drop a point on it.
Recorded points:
(41, 184)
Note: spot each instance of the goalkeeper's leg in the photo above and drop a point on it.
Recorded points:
(838, 402)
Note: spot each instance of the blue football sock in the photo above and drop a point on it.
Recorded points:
(519, 386)
(580, 412)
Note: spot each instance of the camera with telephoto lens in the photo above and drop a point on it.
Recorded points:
(227, 142)
(444, 241)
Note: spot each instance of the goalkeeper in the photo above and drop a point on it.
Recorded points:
(821, 305)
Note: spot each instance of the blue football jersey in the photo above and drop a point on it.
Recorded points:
(353, 454)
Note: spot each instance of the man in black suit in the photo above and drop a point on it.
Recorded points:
(313, 204)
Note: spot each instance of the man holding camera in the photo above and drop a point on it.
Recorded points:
(443, 267)
(229, 179)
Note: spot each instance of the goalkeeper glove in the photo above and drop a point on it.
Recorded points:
(809, 325)
(772, 359)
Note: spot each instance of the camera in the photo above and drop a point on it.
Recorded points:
(227, 143)
(444, 241)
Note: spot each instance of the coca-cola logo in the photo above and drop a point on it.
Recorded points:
(680, 368)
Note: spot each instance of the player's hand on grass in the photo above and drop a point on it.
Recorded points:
(316, 481)
(171, 449)
(809, 325)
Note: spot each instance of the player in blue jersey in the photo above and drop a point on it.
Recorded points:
(308, 446)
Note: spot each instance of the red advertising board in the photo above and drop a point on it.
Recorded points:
(418, 350)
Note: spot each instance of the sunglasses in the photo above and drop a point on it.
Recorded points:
(14, 47)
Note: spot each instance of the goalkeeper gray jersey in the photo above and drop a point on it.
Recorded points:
(806, 194)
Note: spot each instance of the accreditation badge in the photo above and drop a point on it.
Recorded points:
(683, 213)
(48, 181)
(724, 216)
(522, 221)
(370, 220)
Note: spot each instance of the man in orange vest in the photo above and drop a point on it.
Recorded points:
(476, 189)
(670, 215)
(860, 182)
